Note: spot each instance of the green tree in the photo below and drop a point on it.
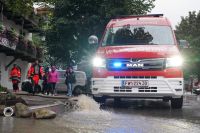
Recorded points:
(75, 20)
(189, 29)
(23, 7)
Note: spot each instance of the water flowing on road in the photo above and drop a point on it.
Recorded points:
(131, 116)
(87, 118)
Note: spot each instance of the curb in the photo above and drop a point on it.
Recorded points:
(45, 106)
(44, 96)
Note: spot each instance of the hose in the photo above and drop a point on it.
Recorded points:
(8, 112)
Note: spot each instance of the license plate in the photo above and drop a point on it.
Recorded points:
(135, 83)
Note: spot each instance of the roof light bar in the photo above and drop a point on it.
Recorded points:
(138, 16)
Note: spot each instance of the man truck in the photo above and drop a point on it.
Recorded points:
(138, 57)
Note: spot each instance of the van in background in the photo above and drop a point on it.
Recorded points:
(78, 87)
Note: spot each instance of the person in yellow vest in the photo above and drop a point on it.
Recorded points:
(15, 76)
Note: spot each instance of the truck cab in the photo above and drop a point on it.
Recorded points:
(138, 57)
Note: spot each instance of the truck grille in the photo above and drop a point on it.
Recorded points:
(128, 64)
(122, 89)
(129, 89)
(147, 89)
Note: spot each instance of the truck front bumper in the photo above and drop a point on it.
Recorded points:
(159, 87)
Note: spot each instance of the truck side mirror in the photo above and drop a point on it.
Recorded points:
(93, 40)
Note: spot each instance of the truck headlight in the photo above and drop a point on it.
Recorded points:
(99, 62)
(175, 61)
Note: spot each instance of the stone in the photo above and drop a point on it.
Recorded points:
(13, 107)
(44, 114)
(25, 114)
(12, 102)
(21, 100)
(21, 110)
(10, 99)
(11, 96)
(3, 97)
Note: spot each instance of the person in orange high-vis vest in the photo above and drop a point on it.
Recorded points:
(15, 76)
(35, 73)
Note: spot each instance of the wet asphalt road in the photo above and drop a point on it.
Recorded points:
(131, 116)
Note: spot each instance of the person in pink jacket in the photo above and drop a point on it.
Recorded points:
(52, 79)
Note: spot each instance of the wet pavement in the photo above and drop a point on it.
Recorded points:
(131, 116)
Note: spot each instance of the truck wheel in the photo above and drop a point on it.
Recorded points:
(100, 99)
(177, 103)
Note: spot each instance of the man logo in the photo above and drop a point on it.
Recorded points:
(135, 65)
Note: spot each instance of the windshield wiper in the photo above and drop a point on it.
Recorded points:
(153, 43)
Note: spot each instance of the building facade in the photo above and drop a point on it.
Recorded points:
(15, 49)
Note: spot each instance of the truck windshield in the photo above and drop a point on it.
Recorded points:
(138, 35)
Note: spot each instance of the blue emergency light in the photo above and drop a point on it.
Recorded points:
(117, 64)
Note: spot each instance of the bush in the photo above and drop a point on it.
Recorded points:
(11, 35)
(3, 89)
(2, 30)
(2, 27)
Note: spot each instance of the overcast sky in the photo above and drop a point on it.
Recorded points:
(174, 9)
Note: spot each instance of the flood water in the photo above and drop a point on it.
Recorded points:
(131, 116)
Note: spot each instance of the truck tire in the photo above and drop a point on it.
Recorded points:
(176, 103)
(101, 100)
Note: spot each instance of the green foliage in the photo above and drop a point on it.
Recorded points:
(75, 20)
(25, 8)
(11, 34)
(3, 89)
(189, 29)
(37, 40)
(22, 7)
(2, 27)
